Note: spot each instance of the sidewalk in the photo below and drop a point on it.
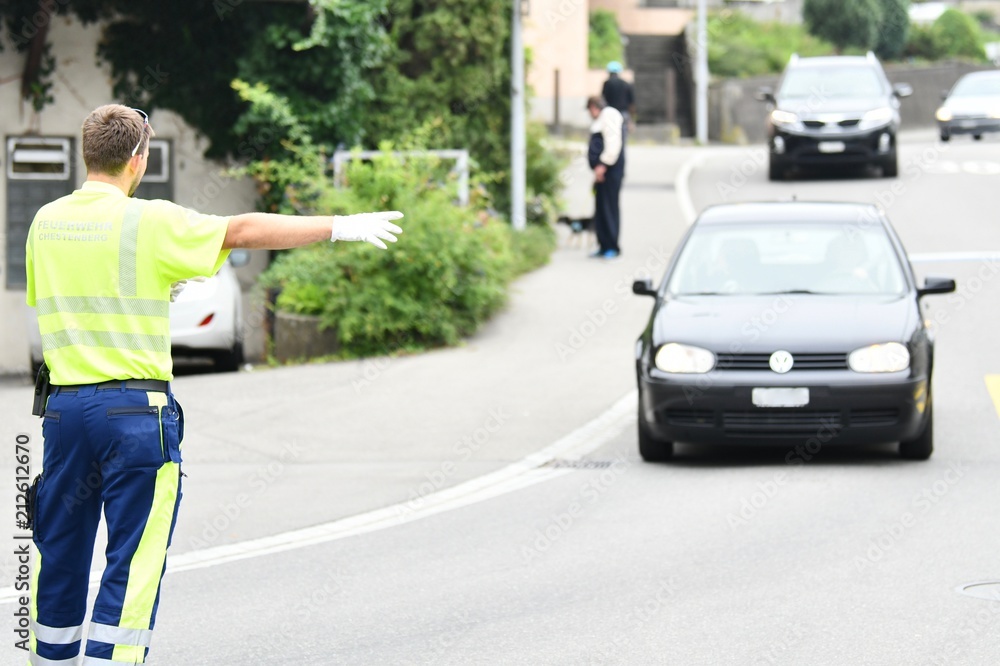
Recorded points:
(273, 450)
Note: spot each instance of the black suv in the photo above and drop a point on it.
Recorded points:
(833, 110)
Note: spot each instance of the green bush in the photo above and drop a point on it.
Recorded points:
(444, 278)
(739, 46)
(923, 44)
(952, 35)
(605, 43)
(959, 35)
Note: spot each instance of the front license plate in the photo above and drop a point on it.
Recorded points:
(831, 146)
(968, 124)
(780, 397)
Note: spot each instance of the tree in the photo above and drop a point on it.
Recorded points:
(449, 72)
(957, 34)
(350, 73)
(183, 56)
(894, 29)
(605, 41)
(844, 23)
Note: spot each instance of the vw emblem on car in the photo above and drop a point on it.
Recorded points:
(781, 361)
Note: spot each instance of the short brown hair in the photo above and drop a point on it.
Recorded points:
(596, 102)
(110, 133)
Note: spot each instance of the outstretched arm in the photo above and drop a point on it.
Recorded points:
(269, 231)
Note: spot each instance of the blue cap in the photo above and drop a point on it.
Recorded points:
(614, 67)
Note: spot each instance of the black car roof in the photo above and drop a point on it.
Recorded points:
(789, 211)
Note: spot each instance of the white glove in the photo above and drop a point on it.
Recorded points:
(369, 227)
(177, 287)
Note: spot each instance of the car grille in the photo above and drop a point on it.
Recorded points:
(874, 417)
(820, 124)
(805, 361)
(778, 422)
(689, 417)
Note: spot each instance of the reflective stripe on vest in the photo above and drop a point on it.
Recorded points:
(113, 339)
(144, 307)
(127, 248)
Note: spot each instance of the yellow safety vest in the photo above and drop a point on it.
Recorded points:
(99, 269)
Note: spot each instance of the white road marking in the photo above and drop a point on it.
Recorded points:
(521, 474)
(682, 186)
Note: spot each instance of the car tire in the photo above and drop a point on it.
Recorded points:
(922, 447)
(775, 171)
(890, 166)
(652, 448)
(977, 137)
(945, 137)
(230, 361)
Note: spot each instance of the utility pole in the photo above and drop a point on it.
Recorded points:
(701, 77)
(518, 147)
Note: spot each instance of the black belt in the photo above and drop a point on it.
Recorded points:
(141, 384)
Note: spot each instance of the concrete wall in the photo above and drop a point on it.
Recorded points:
(79, 87)
(736, 117)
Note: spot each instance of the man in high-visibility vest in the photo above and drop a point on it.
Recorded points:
(100, 266)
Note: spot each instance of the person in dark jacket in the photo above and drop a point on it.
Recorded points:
(606, 155)
(618, 93)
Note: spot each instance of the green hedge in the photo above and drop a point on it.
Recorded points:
(445, 277)
(739, 46)
(605, 40)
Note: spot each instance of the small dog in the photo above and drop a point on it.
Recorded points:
(581, 230)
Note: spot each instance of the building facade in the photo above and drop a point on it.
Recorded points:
(42, 160)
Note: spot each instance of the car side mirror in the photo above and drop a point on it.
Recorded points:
(944, 94)
(239, 258)
(936, 285)
(643, 287)
(902, 89)
(764, 94)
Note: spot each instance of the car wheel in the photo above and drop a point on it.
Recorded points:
(977, 137)
(775, 171)
(945, 137)
(652, 448)
(230, 361)
(922, 447)
(890, 167)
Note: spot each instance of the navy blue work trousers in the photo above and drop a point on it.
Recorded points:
(116, 449)
(607, 216)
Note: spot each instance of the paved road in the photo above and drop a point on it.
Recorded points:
(723, 557)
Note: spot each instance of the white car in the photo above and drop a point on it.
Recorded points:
(206, 320)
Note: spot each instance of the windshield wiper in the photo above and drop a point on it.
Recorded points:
(789, 291)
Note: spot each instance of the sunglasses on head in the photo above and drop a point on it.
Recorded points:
(145, 124)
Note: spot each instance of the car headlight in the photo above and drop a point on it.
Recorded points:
(684, 359)
(888, 357)
(779, 117)
(995, 113)
(943, 114)
(877, 117)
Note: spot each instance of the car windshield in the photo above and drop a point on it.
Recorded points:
(822, 83)
(720, 259)
(977, 86)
